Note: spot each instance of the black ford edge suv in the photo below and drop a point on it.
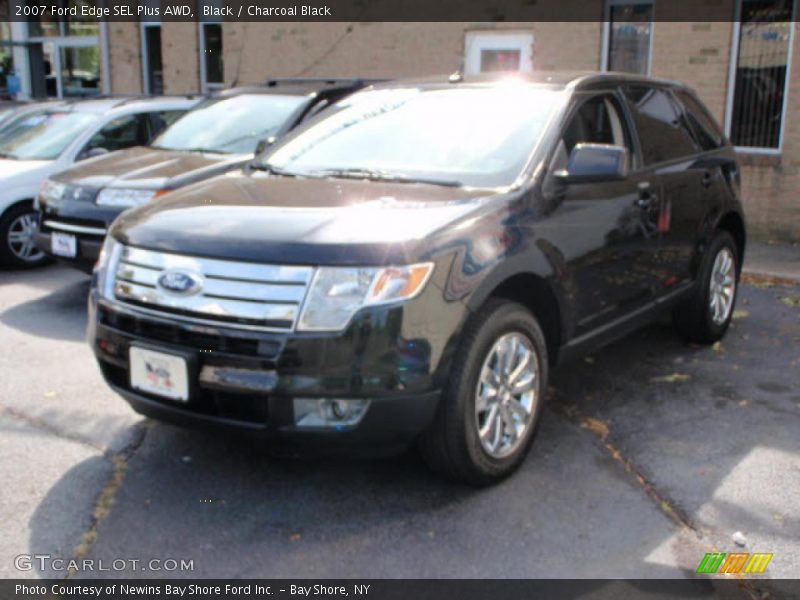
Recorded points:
(408, 266)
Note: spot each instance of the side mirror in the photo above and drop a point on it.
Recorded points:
(94, 152)
(265, 143)
(594, 162)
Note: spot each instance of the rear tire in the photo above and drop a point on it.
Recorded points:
(17, 247)
(705, 317)
(489, 411)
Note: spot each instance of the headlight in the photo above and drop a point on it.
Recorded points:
(337, 293)
(124, 197)
(51, 191)
(106, 265)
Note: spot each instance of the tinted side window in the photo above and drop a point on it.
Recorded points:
(663, 132)
(160, 120)
(597, 121)
(705, 129)
(120, 133)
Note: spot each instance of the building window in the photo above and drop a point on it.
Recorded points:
(152, 66)
(9, 82)
(762, 43)
(50, 26)
(495, 51)
(628, 36)
(63, 53)
(211, 66)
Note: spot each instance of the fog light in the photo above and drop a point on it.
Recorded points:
(329, 412)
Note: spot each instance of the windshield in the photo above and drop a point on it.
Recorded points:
(229, 125)
(43, 135)
(479, 137)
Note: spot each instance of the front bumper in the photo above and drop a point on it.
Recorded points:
(78, 216)
(246, 381)
(88, 247)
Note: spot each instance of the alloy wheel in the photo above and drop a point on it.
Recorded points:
(20, 238)
(722, 287)
(506, 394)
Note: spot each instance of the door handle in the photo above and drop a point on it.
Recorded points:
(707, 178)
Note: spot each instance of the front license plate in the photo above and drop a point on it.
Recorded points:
(64, 244)
(159, 373)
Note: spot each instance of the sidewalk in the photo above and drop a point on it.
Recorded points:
(775, 260)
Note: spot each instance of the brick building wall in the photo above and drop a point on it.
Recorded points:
(180, 57)
(387, 49)
(125, 56)
(696, 53)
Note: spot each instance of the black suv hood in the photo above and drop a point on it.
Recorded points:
(150, 168)
(258, 217)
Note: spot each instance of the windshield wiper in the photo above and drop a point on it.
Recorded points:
(198, 149)
(378, 175)
(205, 150)
(272, 169)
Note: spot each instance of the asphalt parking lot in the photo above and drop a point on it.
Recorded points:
(650, 453)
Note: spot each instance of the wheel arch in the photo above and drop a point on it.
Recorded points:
(733, 223)
(535, 293)
(13, 204)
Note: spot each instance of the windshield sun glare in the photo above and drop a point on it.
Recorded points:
(480, 137)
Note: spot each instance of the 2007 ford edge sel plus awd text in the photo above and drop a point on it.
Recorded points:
(407, 266)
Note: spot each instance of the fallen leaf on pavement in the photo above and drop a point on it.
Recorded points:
(794, 302)
(295, 537)
(588, 360)
(49, 394)
(671, 378)
(743, 403)
(717, 347)
(596, 426)
(740, 314)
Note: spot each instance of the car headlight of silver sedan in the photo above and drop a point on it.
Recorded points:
(51, 191)
(123, 197)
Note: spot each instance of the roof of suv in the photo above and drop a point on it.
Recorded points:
(297, 86)
(577, 80)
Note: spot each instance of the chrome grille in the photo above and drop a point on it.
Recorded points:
(253, 294)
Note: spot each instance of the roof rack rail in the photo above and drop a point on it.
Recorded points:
(342, 81)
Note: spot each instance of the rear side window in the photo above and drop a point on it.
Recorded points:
(705, 129)
(663, 131)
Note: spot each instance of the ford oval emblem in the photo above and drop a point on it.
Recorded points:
(180, 282)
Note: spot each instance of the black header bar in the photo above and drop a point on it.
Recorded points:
(355, 10)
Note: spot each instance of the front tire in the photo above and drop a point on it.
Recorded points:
(489, 410)
(17, 246)
(706, 316)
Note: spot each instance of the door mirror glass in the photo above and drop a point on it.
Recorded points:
(93, 152)
(595, 162)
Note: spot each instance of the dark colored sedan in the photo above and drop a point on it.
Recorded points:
(409, 266)
(220, 134)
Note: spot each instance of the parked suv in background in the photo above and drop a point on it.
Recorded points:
(220, 134)
(48, 141)
(410, 266)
